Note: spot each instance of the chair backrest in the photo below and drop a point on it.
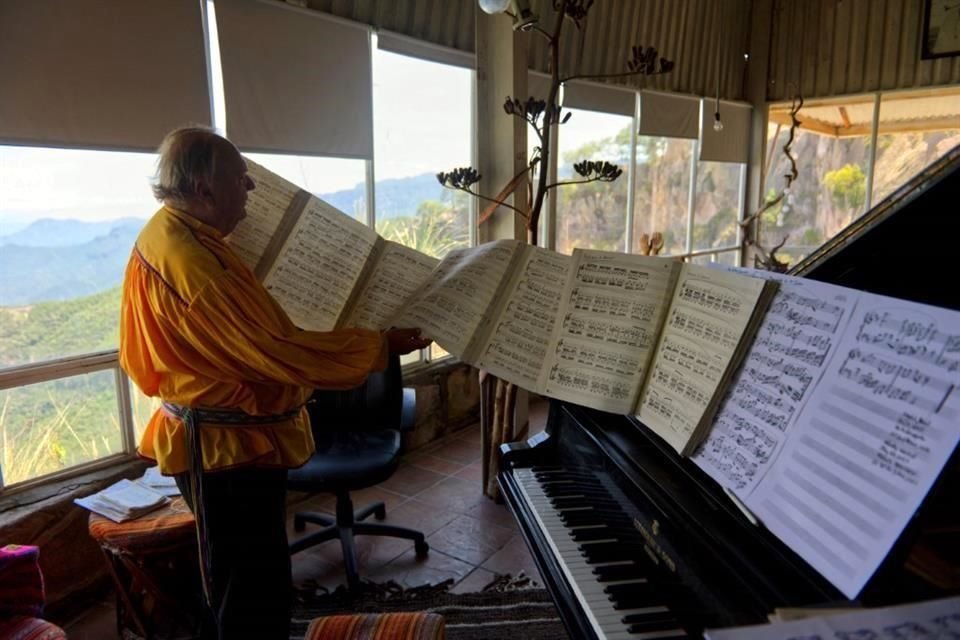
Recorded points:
(376, 404)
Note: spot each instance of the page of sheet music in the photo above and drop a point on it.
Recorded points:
(931, 620)
(518, 343)
(460, 295)
(869, 443)
(708, 315)
(319, 265)
(607, 328)
(399, 273)
(266, 205)
(789, 354)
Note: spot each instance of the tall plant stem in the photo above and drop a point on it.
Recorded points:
(553, 43)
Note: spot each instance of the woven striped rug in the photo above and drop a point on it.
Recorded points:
(505, 610)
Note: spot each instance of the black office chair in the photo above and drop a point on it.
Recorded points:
(358, 437)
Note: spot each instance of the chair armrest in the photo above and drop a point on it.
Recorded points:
(408, 410)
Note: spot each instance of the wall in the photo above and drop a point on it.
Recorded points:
(837, 47)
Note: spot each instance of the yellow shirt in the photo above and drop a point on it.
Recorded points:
(198, 330)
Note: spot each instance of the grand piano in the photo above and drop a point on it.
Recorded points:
(681, 556)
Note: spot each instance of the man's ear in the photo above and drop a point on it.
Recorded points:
(204, 192)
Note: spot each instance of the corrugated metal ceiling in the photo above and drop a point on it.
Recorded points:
(706, 39)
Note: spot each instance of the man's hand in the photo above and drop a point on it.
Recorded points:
(402, 341)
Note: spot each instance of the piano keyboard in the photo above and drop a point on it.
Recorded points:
(600, 552)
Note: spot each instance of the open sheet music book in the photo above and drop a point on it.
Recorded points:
(843, 414)
(326, 269)
(123, 500)
(617, 332)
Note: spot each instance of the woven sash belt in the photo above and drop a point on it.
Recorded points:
(192, 419)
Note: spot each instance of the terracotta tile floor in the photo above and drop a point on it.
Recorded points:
(437, 491)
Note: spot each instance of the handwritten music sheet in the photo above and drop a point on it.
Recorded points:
(266, 205)
(608, 326)
(399, 273)
(518, 342)
(931, 620)
(708, 315)
(871, 440)
(789, 354)
(461, 293)
(319, 265)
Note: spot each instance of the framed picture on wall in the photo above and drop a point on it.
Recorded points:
(941, 28)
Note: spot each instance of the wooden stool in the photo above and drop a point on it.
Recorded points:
(154, 565)
(378, 626)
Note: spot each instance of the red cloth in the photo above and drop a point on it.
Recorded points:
(21, 583)
(27, 628)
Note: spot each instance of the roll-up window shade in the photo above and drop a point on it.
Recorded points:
(538, 85)
(294, 81)
(730, 144)
(599, 97)
(100, 73)
(669, 115)
(407, 46)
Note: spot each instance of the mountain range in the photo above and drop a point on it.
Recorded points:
(61, 259)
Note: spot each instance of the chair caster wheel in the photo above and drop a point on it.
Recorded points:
(380, 513)
(299, 524)
(422, 548)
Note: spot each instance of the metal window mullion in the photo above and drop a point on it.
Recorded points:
(741, 212)
(631, 178)
(57, 369)
(125, 407)
(872, 163)
(692, 196)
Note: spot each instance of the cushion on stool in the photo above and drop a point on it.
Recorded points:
(21, 583)
(30, 628)
(168, 528)
(378, 626)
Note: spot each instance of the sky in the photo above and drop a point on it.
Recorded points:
(422, 124)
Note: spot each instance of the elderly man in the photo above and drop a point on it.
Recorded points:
(199, 331)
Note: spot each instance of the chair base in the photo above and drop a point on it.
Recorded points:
(346, 525)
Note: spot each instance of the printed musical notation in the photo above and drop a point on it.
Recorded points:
(459, 299)
(517, 346)
(271, 197)
(787, 356)
(871, 438)
(612, 313)
(398, 274)
(319, 265)
(708, 317)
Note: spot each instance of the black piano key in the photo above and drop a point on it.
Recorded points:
(662, 633)
(610, 552)
(604, 532)
(615, 572)
(657, 617)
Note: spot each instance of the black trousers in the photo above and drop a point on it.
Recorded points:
(251, 582)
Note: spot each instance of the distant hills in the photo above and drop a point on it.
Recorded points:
(61, 259)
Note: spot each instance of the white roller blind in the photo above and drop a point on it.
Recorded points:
(599, 97)
(295, 81)
(669, 115)
(730, 144)
(407, 46)
(538, 85)
(100, 73)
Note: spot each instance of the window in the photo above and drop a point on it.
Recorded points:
(592, 215)
(662, 191)
(916, 128)
(837, 163)
(67, 223)
(422, 125)
(717, 206)
(339, 181)
(831, 188)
